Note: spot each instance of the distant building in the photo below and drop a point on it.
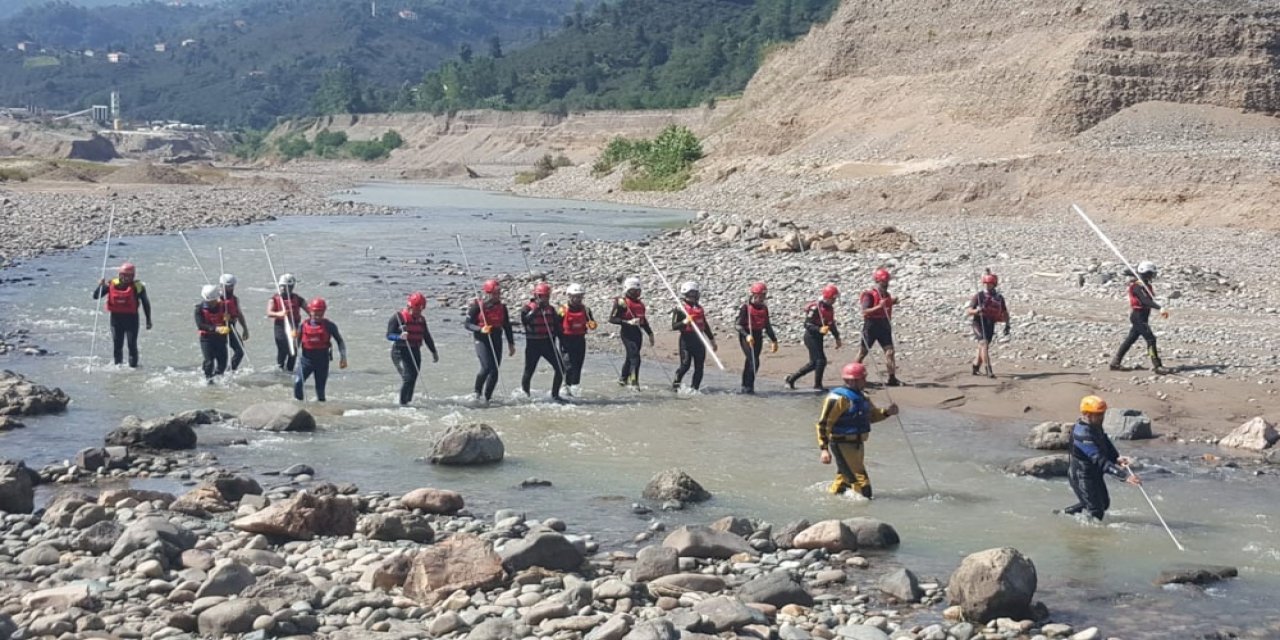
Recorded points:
(117, 57)
(190, 42)
(161, 47)
(408, 14)
(88, 53)
(26, 45)
(257, 73)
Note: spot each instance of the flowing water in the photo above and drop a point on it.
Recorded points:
(756, 454)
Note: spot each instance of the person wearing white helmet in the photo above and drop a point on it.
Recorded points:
(227, 283)
(576, 321)
(629, 313)
(285, 310)
(213, 325)
(1141, 302)
(693, 352)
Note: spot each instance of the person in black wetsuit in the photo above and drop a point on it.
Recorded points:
(753, 325)
(987, 307)
(1141, 303)
(213, 326)
(315, 349)
(488, 320)
(234, 315)
(1093, 457)
(693, 352)
(819, 320)
(877, 323)
(407, 330)
(576, 321)
(285, 310)
(629, 313)
(124, 296)
(542, 327)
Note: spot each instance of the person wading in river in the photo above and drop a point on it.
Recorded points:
(316, 338)
(1093, 457)
(488, 321)
(753, 324)
(629, 314)
(212, 322)
(987, 308)
(877, 322)
(407, 330)
(693, 352)
(576, 321)
(542, 326)
(234, 315)
(286, 304)
(1140, 305)
(819, 320)
(843, 428)
(124, 296)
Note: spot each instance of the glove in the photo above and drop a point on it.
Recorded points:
(223, 330)
(1006, 329)
(435, 357)
(1164, 314)
(824, 330)
(342, 364)
(751, 339)
(404, 336)
(773, 348)
(294, 334)
(148, 325)
(511, 350)
(486, 329)
(688, 321)
(838, 343)
(244, 337)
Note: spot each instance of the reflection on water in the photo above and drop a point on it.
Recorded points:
(758, 455)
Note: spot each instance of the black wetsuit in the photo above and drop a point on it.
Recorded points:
(233, 339)
(213, 347)
(284, 359)
(124, 326)
(692, 350)
(1093, 456)
(813, 339)
(488, 347)
(542, 327)
(406, 355)
(1141, 304)
(316, 361)
(574, 347)
(632, 339)
(746, 327)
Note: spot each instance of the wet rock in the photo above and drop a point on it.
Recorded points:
(171, 538)
(1050, 466)
(831, 535)
(302, 518)
(92, 458)
(727, 614)
(1127, 424)
(438, 501)
(299, 470)
(654, 562)
(9, 424)
(230, 617)
(993, 583)
(740, 527)
(678, 584)
(1196, 574)
(17, 491)
(227, 579)
(1254, 435)
(674, 484)
(1049, 436)
(785, 539)
(21, 397)
(170, 433)
(390, 528)
(98, 538)
(873, 533)
(234, 487)
(463, 562)
(547, 550)
(467, 445)
(277, 416)
(7, 626)
(778, 588)
(702, 542)
(901, 584)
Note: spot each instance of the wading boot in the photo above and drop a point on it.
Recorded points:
(791, 382)
(1157, 367)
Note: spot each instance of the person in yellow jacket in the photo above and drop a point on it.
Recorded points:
(843, 427)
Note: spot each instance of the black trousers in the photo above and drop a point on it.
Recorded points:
(817, 358)
(124, 328)
(574, 350)
(631, 342)
(1090, 487)
(536, 349)
(237, 349)
(489, 352)
(752, 363)
(283, 359)
(408, 362)
(1139, 327)
(692, 352)
(312, 362)
(214, 349)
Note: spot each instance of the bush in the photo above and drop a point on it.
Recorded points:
(662, 164)
(367, 150)
(293, 146)
(561, 161)
(249, 144)
(8, 174)
(392, 140)
(327, 144)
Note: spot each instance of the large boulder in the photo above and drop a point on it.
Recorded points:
(778, 588)
(727, 614)
(702, 542)
(461, 563)
(741, 527)
(547, 549)
(653, 562)
(1050, 466)
(1127, 424)
(468, 444)
(21, 397)
(1049, 436)
(62, 508)
(901, 584)
(785, 538)
(227, 579)
(99, 537)
(302, 518)
(17, 491)
(872, 533)
(173, 432)
(1254, 435)
(144, 532)
(831, 535)
(392, 527)
(674, 484)
(277, 416)
(993, 584)
(438, 501)
(279, 589)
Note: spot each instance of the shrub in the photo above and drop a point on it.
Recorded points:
(662, 164)
(9, 174)
(561, 161)
(293, 146)
(249, 144)
(327, 143)
(392, 140)
(367, 150)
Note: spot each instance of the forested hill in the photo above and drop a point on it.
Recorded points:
(245, 62)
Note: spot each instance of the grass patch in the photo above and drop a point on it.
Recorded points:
(544, 167)
(8, 174)
(37, 62)
(664, 163)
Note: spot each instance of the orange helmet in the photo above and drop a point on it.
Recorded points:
(491, 286)
(830, 292)
(317, 305)
(542, 289)
(881, 275)
(417, 300)
(758, 288)
(990, 278)
(854, 371)
(1093, 404)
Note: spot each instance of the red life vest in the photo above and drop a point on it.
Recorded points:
(1135, 302)
(213, 314)
(698, 315)
(293, 305)
(635, 308)
(315, 335)
(415, 327)
(826, 313)
(233, 306)
(757, 317)
(575, 321)
(885, 312)
(992, 308)
(122, 300)
(495, 316)
(543, 319)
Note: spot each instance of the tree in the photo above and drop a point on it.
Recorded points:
(465, 53)
(339, 92)
(495, 46)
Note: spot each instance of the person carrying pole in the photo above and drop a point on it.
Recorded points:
(693, 352)
(753, 324)
(316, 336)
(576, 320)
(1093, 457)
(488, 321)
(542, 327)
(629, 313)
(285, 309)
(1141, 302)
(843, 428)
(819, 320)
(987, 308)
(234, 315)
(407, 330)
(124, 296)
(877, 322)
(213, 325)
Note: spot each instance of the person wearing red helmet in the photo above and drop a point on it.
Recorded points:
(1093, 458)
(753, 324)
(488, 320)
(124, 296)
(843, 428)
(877, 322)
(285, 310)
(576, 321)
(542, 327)
(987, 308)
(692, 351)
(630, 314)
(316, 337)
(819, 320)
(407, 330)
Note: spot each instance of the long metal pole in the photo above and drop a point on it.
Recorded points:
(1157, 512)
(284, 304)
(901, 426)
(231, 329)
(705, 342)
(1111, 245)
(106, 255)
(193, 257)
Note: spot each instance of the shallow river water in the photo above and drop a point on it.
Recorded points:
(756, 454)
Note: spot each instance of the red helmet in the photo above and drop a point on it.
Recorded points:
(542, 289)
(854, 371)
(990, 278)
(881, 275)
(830, 292)
(128, 269)
(491, 286)
(758, 289)
(417, 300)
(317, 304)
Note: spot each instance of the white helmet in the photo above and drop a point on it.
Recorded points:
(1146, 266)
(575, 289)
(209, 292)
(227, 280)
(287, 280)
(631, 283)
(689, 287)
